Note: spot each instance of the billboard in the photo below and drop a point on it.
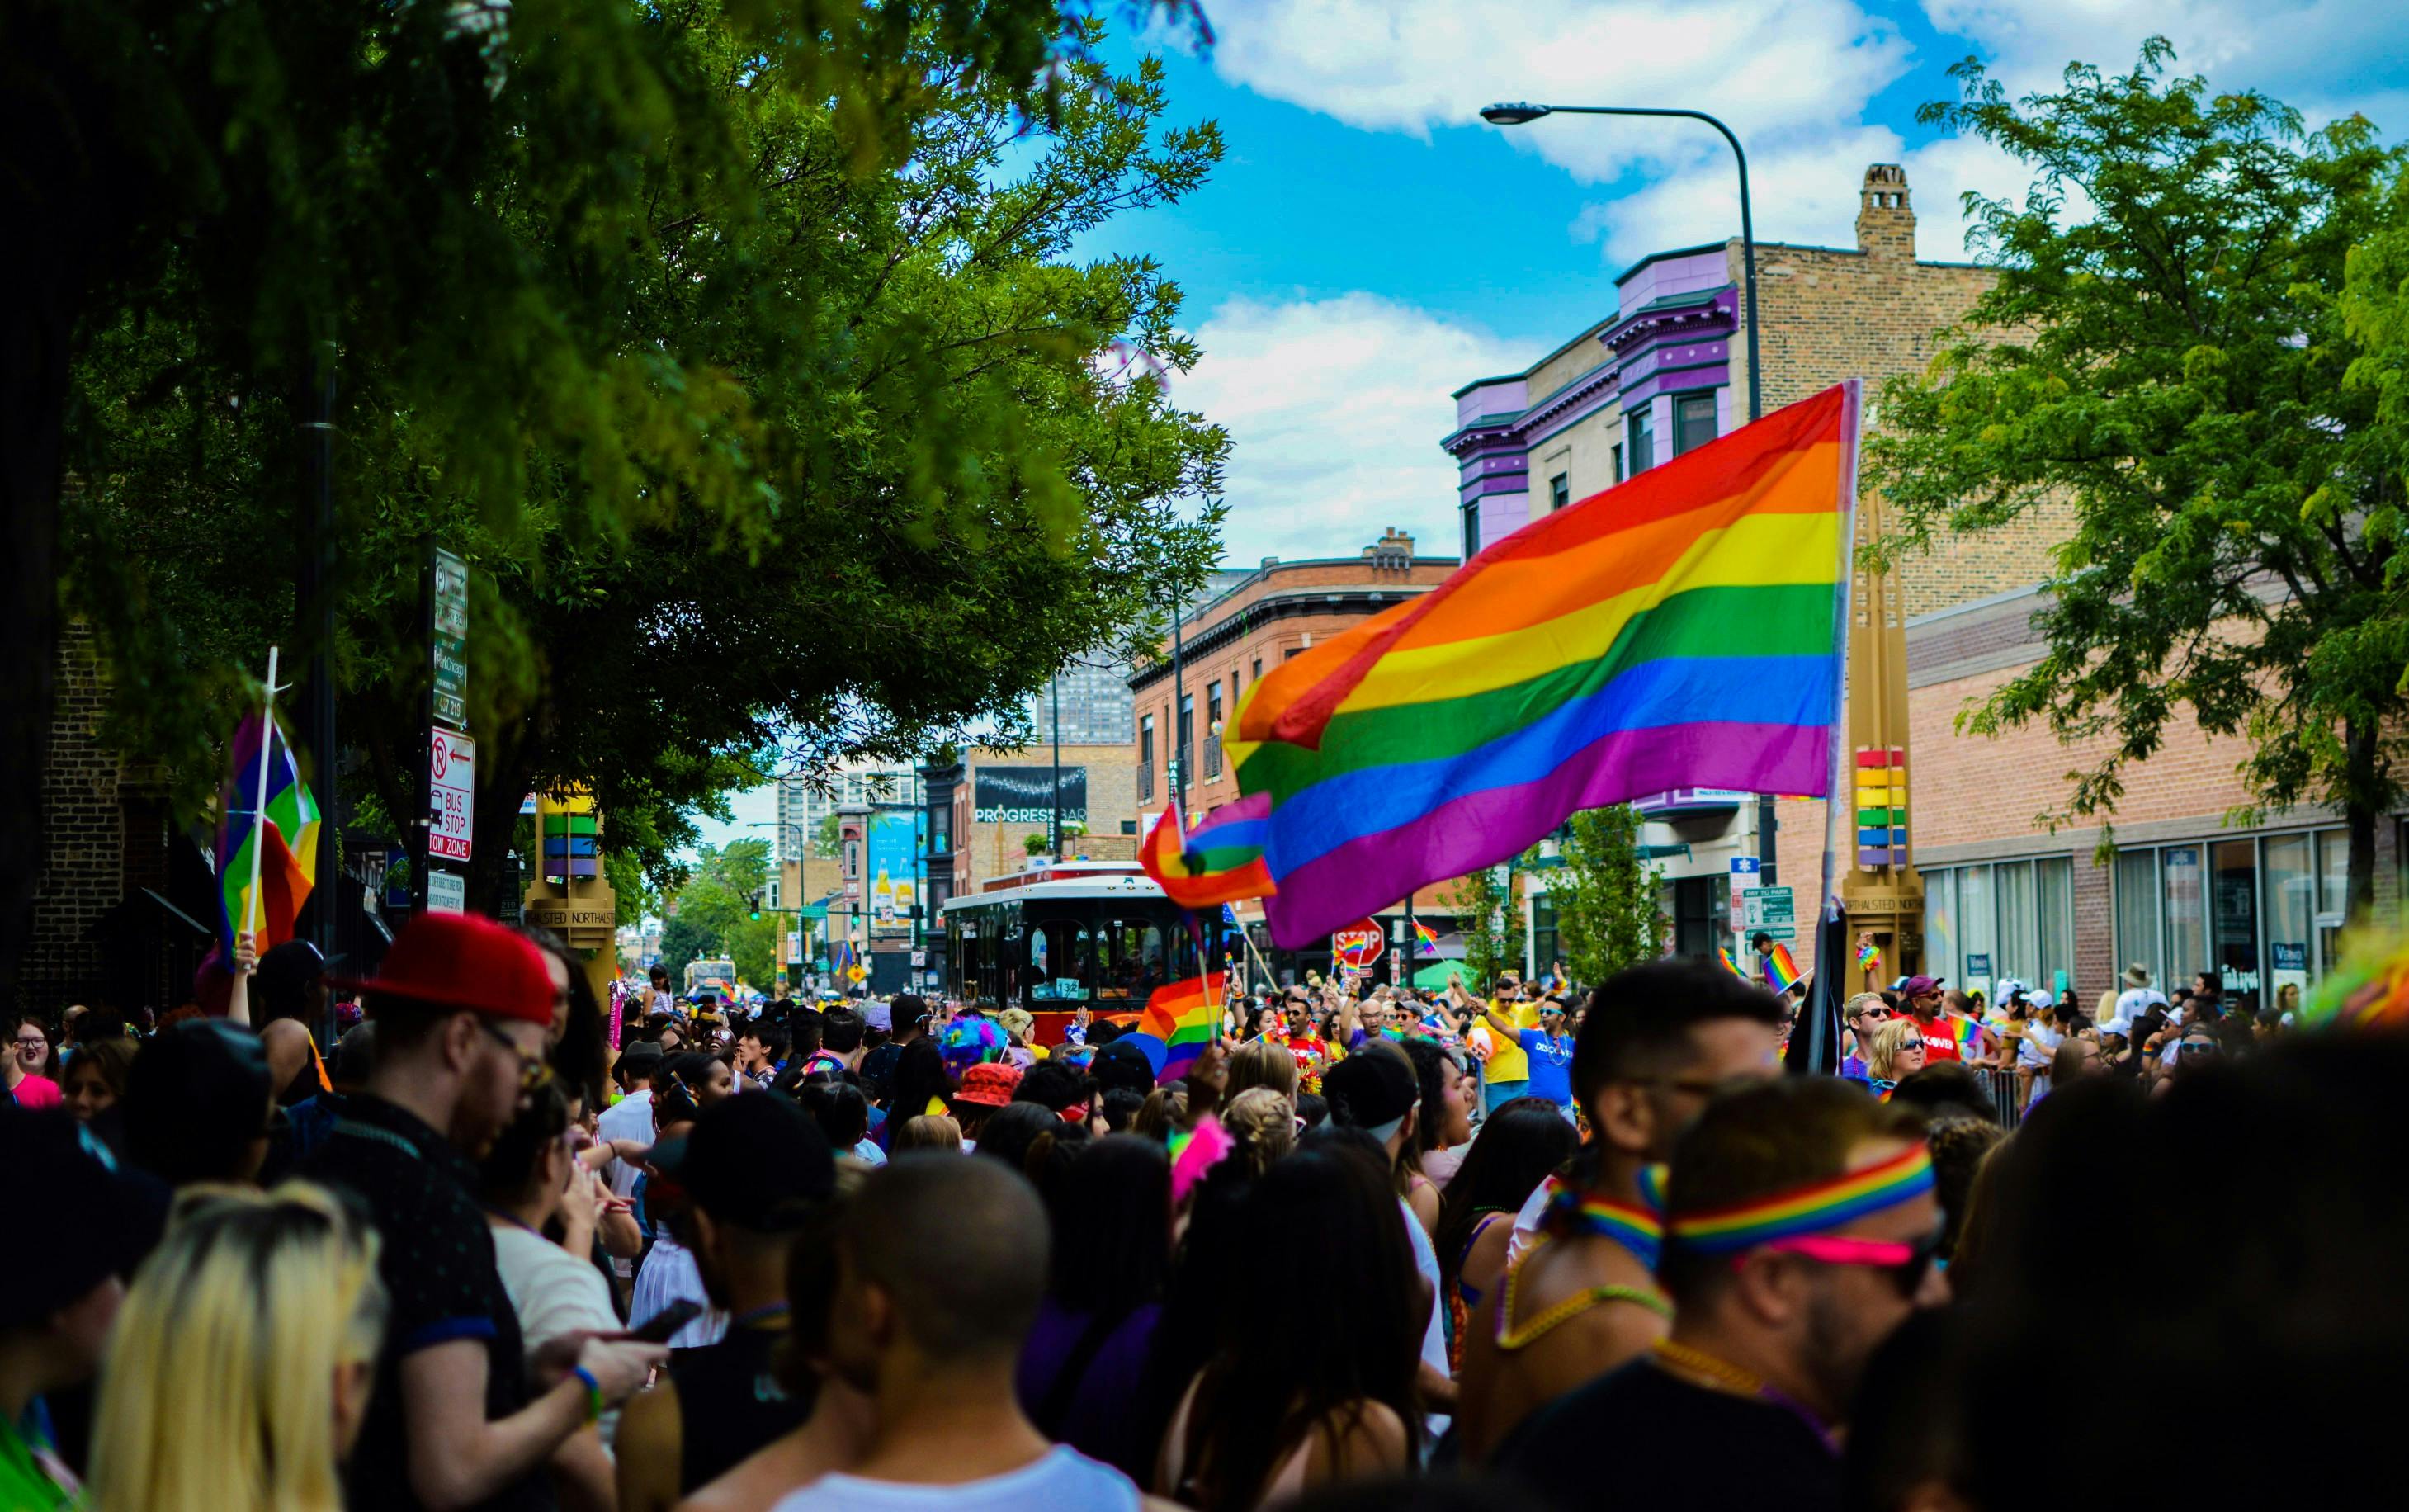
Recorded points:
(1024, 794)
(890, 869)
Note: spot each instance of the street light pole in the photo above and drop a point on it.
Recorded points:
(1518, 113)
(1058, 764)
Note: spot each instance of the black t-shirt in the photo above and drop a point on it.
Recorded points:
(436, 1261)
(729, 1403)
(1639, 1437)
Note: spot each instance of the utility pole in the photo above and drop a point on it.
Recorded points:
(317, 605)
(1057, 691)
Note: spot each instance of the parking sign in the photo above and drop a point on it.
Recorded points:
(452, 763)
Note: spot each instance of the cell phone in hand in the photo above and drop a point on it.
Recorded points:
(663, 1325)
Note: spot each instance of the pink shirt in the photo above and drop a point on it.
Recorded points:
(36, 1092)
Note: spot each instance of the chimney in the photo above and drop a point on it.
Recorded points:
(1885, 225)
(1392, 552)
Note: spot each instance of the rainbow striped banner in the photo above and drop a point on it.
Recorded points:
(1186, 1018)
(1679, 629)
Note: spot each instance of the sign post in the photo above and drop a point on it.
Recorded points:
(450, 768)
(1745, 871)
(1769, 911)
(449, 645)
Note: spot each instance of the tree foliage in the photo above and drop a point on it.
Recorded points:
(718, 903)
(1609, 916)
(735, 344)
(2165, 351)
(1488, 909)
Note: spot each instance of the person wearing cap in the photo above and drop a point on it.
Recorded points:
(1799, 1229)
(463, 1009)
(200, 1104)
(1923, 995)
(757, 1174)
(1547, 1051)
(59, 1296)
(984, 1089)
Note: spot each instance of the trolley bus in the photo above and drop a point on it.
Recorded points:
(1066, 935)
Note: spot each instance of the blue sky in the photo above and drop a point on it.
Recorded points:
(1368, 245)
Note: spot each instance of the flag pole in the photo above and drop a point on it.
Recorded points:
(259, 804)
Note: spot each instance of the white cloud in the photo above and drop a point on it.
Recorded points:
(2304, 51)
(1411, 65)
(1335, 408)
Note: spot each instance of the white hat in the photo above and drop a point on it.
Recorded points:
(2118, 1025)
(2041, 999)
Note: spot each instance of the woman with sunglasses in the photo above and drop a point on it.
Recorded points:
(1895, 1054)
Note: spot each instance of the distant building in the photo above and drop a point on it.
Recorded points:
(1255, 621)
(801, 810)
(1094, 697)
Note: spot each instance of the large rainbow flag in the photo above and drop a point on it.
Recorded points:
(1219, 861)
(1679, 629)
(1185, 1017)
(284, 828)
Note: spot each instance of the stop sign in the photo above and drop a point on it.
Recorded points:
(1357, 945)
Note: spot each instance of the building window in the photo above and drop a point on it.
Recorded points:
(1701, 910)
(1545, 945)
(1146, 760)
(1559, 493)
(1693, 422)
(1616, 453)
(1255, 673)
(1643, 440)
(1187, 746)
(1471, 534)
(1212, 730)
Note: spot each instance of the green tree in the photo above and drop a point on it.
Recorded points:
(1488, 908)
(684, 941)
(2165, 351)
(717, 900)
(1608, 911)
(776, 430)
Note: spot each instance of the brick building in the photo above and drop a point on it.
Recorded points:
(1254, 622)
(1666, 371)
(1003, 799)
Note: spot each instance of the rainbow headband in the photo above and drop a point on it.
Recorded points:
(1637, 1230)
(1816, 1208)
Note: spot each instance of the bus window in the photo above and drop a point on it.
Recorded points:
(1037, 961)
(1137, 964)
(1058, 963)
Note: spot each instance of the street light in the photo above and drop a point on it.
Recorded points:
(1520, 112)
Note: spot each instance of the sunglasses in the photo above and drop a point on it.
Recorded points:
(1906, 1264)
(533, 1072)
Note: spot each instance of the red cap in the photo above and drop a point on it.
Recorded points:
(990, 1086)
(465, 960)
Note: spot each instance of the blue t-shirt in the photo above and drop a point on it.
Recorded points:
(1551, 1065)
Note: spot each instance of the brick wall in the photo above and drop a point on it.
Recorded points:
(84, 836)
(1874, 313)
(982, 851)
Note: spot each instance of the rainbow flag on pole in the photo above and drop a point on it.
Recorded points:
(284, 831)
(1679, 629)
(1219, 861)
(1781, 973)
(1185, 1017)
(1427, 936)
(1722, 954)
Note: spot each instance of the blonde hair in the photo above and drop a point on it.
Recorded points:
(1266, 1124)
(1262, 1063)
(1889, 1038)
(929, 1132)
(218, 1389)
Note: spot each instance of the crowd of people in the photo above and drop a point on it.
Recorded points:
(1531, 1247)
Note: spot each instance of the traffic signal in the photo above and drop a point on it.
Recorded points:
(757, 905)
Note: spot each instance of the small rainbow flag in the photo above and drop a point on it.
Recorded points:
(1681, 628)
(1970, 1037)
(1186, 1018)
(1781, 973)
(1724, 953)
(287, 829)
(1428, 936)
(1219, 861)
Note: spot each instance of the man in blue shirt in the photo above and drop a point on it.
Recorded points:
(1549, 1047)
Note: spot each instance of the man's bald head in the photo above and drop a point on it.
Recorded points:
(960, 1247)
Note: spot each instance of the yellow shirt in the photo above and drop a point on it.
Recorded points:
(1506, 1062)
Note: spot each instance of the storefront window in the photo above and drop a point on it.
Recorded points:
(2186, 912)
(1939, 931)
(2237, 920)
(2056, 879)
(1975, 921)
(2137, 913)
(2333, 870)
(2291, 919)
(2019, 944)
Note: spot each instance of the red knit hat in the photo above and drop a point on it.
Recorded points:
(990, 1086)
(465, 960)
